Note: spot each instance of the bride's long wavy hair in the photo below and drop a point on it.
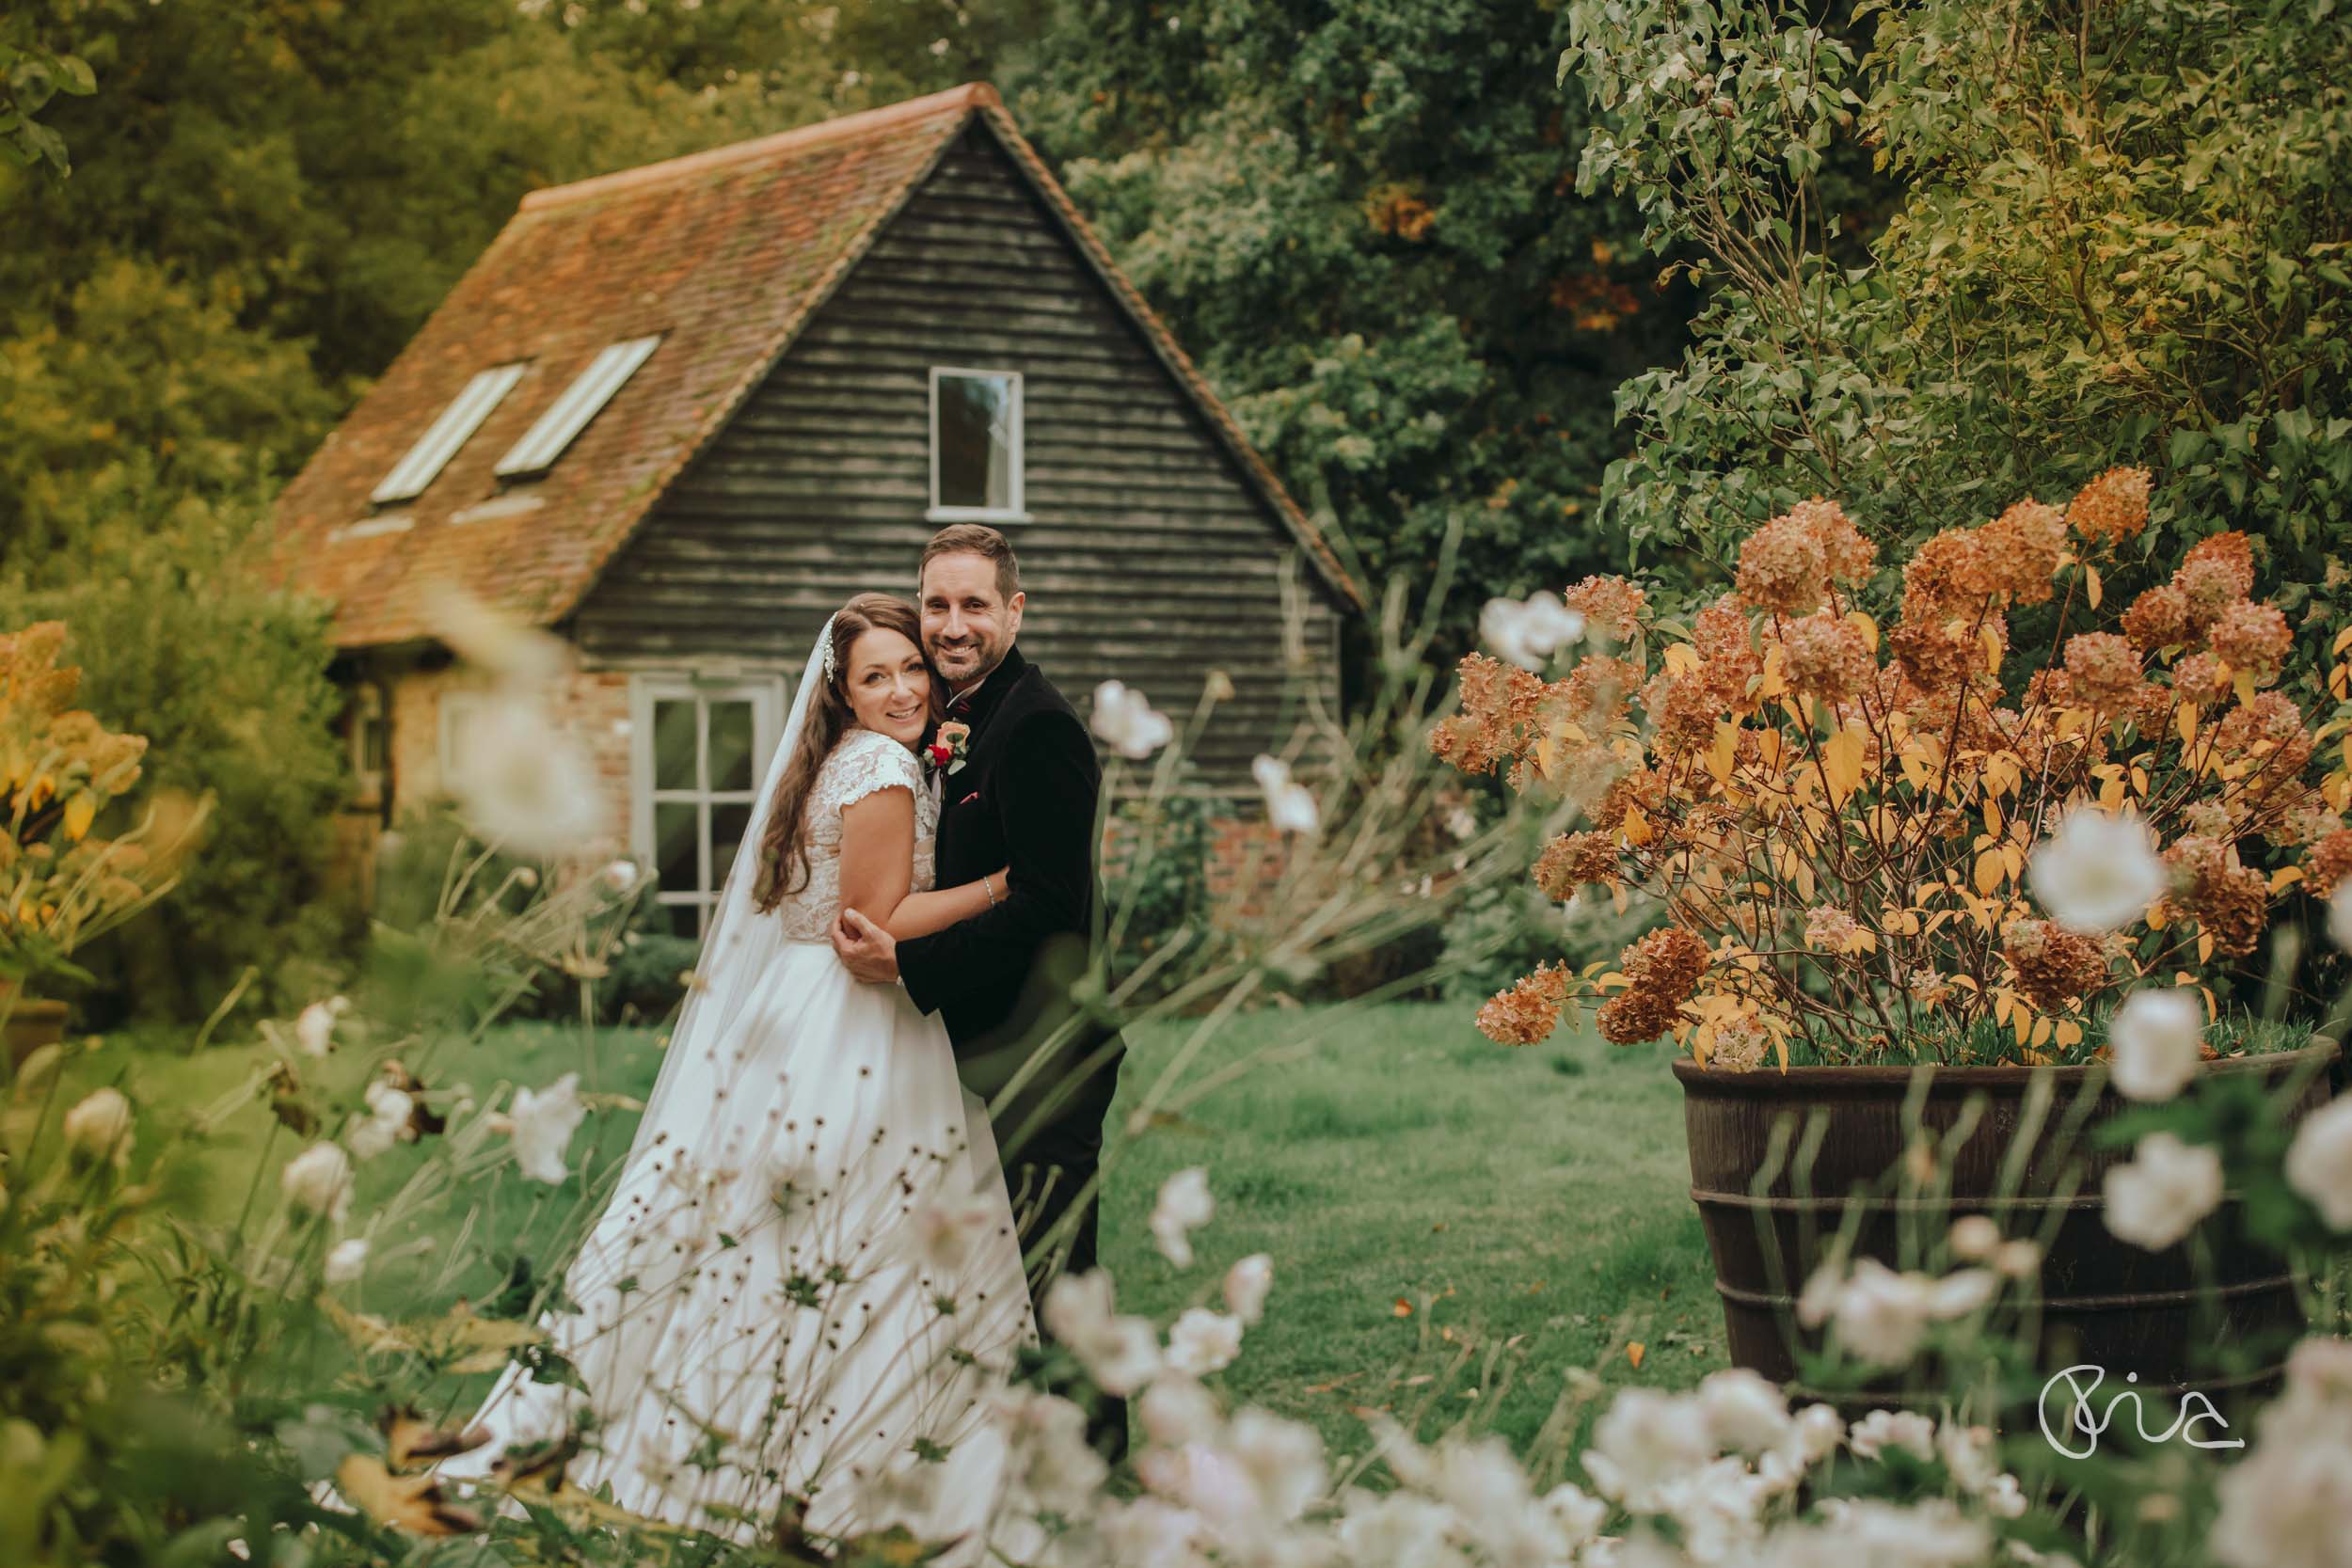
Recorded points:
(784, 845)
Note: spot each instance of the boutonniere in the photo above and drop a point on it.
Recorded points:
(948, 744)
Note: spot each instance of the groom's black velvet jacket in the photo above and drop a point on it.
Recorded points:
(1024, 797)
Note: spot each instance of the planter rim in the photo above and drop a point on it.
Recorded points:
(1798, 1083)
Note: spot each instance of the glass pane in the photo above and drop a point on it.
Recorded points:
(674, 745)
(727, 823)
(676, 845)
(686, 919)
(975, 440)
(731, 745)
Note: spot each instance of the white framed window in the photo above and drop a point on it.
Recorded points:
(975, 445)
(697, 749)
(582, 402)
(445, 434)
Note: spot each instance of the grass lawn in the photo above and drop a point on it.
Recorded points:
(1429, 1199)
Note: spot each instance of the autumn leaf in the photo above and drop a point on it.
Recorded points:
(1841, 763)
(1402, 1309)
(410, 1441)
(410, 1503)
(1635, 1351)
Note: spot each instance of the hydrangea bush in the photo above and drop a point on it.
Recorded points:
(1950, 807)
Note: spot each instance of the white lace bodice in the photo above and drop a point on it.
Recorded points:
(864, 761)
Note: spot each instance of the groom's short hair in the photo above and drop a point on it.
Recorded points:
(975, 539)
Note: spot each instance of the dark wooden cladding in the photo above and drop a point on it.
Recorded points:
(1148, 555)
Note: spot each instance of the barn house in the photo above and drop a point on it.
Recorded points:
(677, 414)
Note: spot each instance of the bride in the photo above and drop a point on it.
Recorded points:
(808, 1275)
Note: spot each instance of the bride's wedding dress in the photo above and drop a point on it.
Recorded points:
(807, 1276)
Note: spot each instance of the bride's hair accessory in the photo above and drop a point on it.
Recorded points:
(824, 641)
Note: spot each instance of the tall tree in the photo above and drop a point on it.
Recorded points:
(1359, 219)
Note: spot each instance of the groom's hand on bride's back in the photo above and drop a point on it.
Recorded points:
(866, 949)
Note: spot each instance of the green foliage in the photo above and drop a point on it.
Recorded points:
(1351, 216)
(1159, 886)
(2126, 239)
(227, 680)
(34, 69)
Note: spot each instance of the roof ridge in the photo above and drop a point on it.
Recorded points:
(971, 95)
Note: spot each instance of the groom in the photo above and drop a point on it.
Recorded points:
(1023, 794)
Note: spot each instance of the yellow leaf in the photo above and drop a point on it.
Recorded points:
(1867, 627)
(2111, 795)
(2343, 640)
(1637, 827)
(2091, 581)
(2204, 945)
(2184, 724)
(2285, 876)
(2243, 684)
(411, 1503)
(78, 813)
(1842, 761)
(1681, 659)
(1718, 758)
(1990, 871)
(1634, 1351)
(1991, 642)
(2068, 1033)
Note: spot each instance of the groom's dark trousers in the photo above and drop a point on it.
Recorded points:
(1024, 796)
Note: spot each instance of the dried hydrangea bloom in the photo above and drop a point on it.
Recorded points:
(1634, 1017)
(1826, 656)
(1738, 1045)
(1849, 556)
(1529, 1012)
(1498, 708)
(1928, 987)
(1727, 658)
(1573, 860)
(1668, 963)
(2054, 966)
(2226, 899)
(1610, 605)
(1782, 570)
(1641, 787)
(2328, 863)
(1830, 929)
(2201, 680)
(1682, 712)
(2102, 668)
(2113, 507)
(2159, 618)
(2022, 548)
(2252, 637)
(2215, 574)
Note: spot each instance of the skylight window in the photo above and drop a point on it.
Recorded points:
(439, 443)
(582, 402)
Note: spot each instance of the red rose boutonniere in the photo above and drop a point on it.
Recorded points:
(948, 744)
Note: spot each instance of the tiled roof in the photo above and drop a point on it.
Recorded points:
(727, 254)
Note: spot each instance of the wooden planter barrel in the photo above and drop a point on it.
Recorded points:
(31, 1025)
(2101, 1300)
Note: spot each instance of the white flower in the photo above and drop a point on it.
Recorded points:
(2339, 916)
(2160, 1195)
(2319, 1163)
(1176, 1410)
(1047, 1435)
(1203, 1341)
(2097, 873)
(1964, 1291)
(946, 1227)
(2018, 1259)
(1745, 1413)
(1646, 1440)
(543, 1124)
(492, 640)
(2284, 1504)
(319, 1180)
(101, 1125)
(1290, 806)
(2155, 1041)
(1882, 1429)
(1246, 1286)
(1183, 1205)
(621, 876)
(1974, 1237)
(1126, 722)
(1121, 1354)
(1396, 1529)
(524, 783)
(314, 1028)
(1878, 1314)
(1283, 1459)
(345, 1259)
(388, 1113)
(1149, 1533)
(1527, 633)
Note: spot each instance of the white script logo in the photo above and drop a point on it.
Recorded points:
(2082, 1418)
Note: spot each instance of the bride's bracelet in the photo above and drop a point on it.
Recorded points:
(990, 888)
